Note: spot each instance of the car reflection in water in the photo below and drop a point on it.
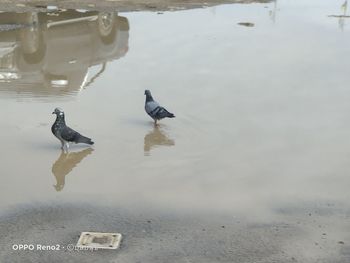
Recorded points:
(45, 55)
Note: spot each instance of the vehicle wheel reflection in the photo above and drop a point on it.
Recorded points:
(31, 37)
(107, 26)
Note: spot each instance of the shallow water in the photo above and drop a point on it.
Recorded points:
(262, 112)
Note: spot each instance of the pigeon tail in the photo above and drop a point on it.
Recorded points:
(163, 113)
(83, 139)
(171, 115)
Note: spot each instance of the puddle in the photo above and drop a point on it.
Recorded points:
(261, 118)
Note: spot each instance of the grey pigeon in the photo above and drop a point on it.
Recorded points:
(154, 110)
(65, 134)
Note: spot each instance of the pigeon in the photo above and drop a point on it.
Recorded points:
(154, 110)
(66, 134)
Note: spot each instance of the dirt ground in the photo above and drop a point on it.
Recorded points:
(155, 237)
(120, 5)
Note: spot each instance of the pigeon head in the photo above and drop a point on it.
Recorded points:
(148, 95)
(58, 112)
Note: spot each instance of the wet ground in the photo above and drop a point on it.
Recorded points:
(254, 168)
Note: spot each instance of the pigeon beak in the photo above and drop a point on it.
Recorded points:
(53, 112)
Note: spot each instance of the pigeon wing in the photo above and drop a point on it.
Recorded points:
(69, 134)
(151, 107)
(163, 113)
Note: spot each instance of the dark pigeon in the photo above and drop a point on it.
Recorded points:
(65, 134)
(154, 110)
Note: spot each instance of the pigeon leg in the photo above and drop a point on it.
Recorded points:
(66, 146)
(155, 121)
(62, 145)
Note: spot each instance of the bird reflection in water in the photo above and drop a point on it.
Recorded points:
(65, 164)
(156, 138)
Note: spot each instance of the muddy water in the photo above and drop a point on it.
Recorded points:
(262, 111)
